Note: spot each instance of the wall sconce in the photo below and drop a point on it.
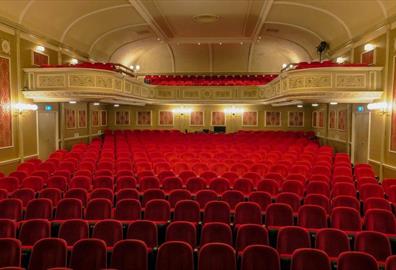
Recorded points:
(23, 107)
(369, 47)
(182, 110)
(233, 110)
(379, 106)
(40, 48)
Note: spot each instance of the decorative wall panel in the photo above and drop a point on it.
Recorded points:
(122, 118)
(82, 119)
(165, 118)
(250, 119)
(197, 118)
(143, 118)
(218, 119)
(273, 119)
(5, 104)
(296, 119)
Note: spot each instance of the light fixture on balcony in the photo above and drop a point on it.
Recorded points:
(300, 106)
(340, 60)
(72, 102)
(369, 47)
(40, 48)
(333, 103)
(74, 61)
(135, 67)
(284, 66)
(315, 104)
(96, 103)
(116, 105)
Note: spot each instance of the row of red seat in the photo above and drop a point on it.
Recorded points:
(276, 214)
(133, 254)
(209, 80)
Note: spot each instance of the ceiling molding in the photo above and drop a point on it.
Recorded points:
(125, 44)
(111, 32)
(319, 37)
(262, 17)
(24, 11)
(325, 11)
(66, 31)
(210, 40)
(145, 14)
(383, 8)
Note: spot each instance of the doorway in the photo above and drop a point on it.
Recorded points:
(48, 133)
(360, 135)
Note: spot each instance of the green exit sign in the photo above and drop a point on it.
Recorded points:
(360, 108)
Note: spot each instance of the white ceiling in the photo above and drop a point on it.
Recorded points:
(162, 35)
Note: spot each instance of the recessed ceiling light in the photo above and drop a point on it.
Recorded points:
(74, 61)
(116, 105)
(158, 39)
(284, 66)
(220, 43)
(96, 103)
(72, 102)
(315, 105)
(300, 106)
(206, 18)
(241, 43)
(333, 103)
(199, 43)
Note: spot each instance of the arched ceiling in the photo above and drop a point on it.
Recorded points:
(163, 36)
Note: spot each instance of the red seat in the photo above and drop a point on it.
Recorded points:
(352, 260)
(319, 200)
(152, 194)
(216, 211)
(195, 184)
(102, 193)
(344, 188)
(370, 191)
(380, 220)
(88, 254)
(103, 181)
(291, 238)
(216, 232)
(216, 256)
(247, 213)
(244, 185)
(68, 208)
(48, 253)
(11, 209)
(205, 196)
(232, 197)
(309, 259)
(182, 231)
(346, 219)
(73, 230)
(293, 186)
(278, 215)
(98, 209)
(332, 241)
(178, 195)
(187, 210)
(149, 182)
(289, 198)
(258, 257)
(33, 230)
(53, 194)
(175, 255)
(130, 255)
(8, 228)
(250, 234)
(316, 187)
(375, 244)
(346, 201)
(145, 231)
(124, 182)
(219, 185)
(262, 198)
(127, 193)
(172, 183)
(377, 203)
(39, 208)
(157, 210)
(312, 217)
(127, 210)
(24, 194)
(77, 193)
(268, 185)
(109, 231)
(34, 182)
(10, 252)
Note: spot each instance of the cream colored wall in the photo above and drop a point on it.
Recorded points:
(233, 123)
(25, 138)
